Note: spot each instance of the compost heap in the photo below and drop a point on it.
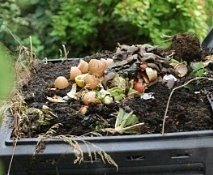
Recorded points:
(121, 92)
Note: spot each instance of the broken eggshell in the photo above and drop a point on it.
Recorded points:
(90, 97)
(79, 80)
(83, 66)
(151, 74)
(181, 70)
(96, 67)
(109, 62)
(148, 96)
(91, 81)
(61, 82)
(56, 99)
(74, 72)
(170, 80)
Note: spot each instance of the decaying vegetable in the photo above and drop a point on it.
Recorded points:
(118, 81)
(198, 69)
(117, 93)
(128, 73)
(61, 82)
(125, 123)
(139, 86)
(105, 96)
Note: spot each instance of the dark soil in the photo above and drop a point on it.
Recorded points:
(189, 108)
(186, 46)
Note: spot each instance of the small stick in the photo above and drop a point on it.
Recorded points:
(31, 50)
(65, 52)
(169, 99)
(11, 159)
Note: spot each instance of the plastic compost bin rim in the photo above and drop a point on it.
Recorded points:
(142, 137)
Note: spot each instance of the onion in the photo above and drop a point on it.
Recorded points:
(91, 81)
(74, 72)
(96, 67)
(90, 97)
(83, 66)
(61, 82)
(151, 74)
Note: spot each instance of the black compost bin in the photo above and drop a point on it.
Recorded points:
(184, 153)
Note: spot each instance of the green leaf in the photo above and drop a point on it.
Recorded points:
(198, 69)
(125, 119)
(6, 73)
(117, 93)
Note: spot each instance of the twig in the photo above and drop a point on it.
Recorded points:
(11, 160)
(65, 52)
(13, 35)
(31, 50)
(169, 99)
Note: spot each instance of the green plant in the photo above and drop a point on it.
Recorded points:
(84, 26)
(21, 19)
(166, 17)
(6, 73)
(80, 23)
(208, 4)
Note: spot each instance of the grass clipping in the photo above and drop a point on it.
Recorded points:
(93, 151)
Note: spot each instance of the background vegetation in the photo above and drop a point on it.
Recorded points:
(87, 26)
